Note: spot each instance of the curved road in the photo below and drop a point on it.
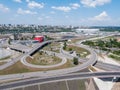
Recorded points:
(64, 60)
(98, 64)
(37, 47)
(92, 60)
(52, 76)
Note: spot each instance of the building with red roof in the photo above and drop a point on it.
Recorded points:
(39, 38)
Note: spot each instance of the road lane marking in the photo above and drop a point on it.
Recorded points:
(67, 85)
(38, 86)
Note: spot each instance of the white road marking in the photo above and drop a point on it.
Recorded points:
(67, 85)
(38, 86)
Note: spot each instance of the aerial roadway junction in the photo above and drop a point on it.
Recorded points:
(71, 73)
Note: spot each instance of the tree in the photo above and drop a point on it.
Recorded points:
(78, 54)
(75, 61)
(100, 44)
(115, 42)
(41, 52)
(65, 45)
(118, 44)
(90, 43)
(70, 49)
(48, 38)
(108, 44)
(33, 36)
(9, 41)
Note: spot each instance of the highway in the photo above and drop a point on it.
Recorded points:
(101, 65)
(86, 75)
(92, 60)
(33, 50)
(98, 64)
(94, 38)
(10, 63)
(86, 64)
(37, 47)
(106, 66)
(54, 75)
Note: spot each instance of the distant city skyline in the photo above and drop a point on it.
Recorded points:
(60, 12)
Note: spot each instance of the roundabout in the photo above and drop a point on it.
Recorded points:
(86, 64)
(53, 60)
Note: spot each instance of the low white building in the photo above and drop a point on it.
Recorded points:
(87, 30)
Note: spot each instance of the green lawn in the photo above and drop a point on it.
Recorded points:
(78, 50)
(5, 58)
(114, 57)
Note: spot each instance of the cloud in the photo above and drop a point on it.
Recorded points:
(19, 1)
(66, 16)
(27, 0)
(4, 8)
(62, 8)
(67, 8)
(101, 17)
(94, 3)
(40, 18)
(47, 17)
(21, 11)
(33, 4)
(74, 5)
(52, 12)
(44, 18)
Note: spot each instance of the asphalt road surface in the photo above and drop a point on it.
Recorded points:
(59, 78)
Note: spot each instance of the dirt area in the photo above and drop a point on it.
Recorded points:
(41, 58)
(1, 63)
(116, 85)
(75, 40)
(55, 46)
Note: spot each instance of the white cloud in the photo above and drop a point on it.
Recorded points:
(19, 1)
(47, 17)
(44, 17)
(66, 16)
(33, 4)
(94, 3)
(4, 8)
(67, 8)
(52, 12)
(74, 5)
(101, 17)
(21, 11)
(40, 18)
(27, 0)
(62, 8)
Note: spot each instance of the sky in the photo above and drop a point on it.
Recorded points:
(61, 12)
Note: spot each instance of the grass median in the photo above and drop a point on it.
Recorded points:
(20, 68)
